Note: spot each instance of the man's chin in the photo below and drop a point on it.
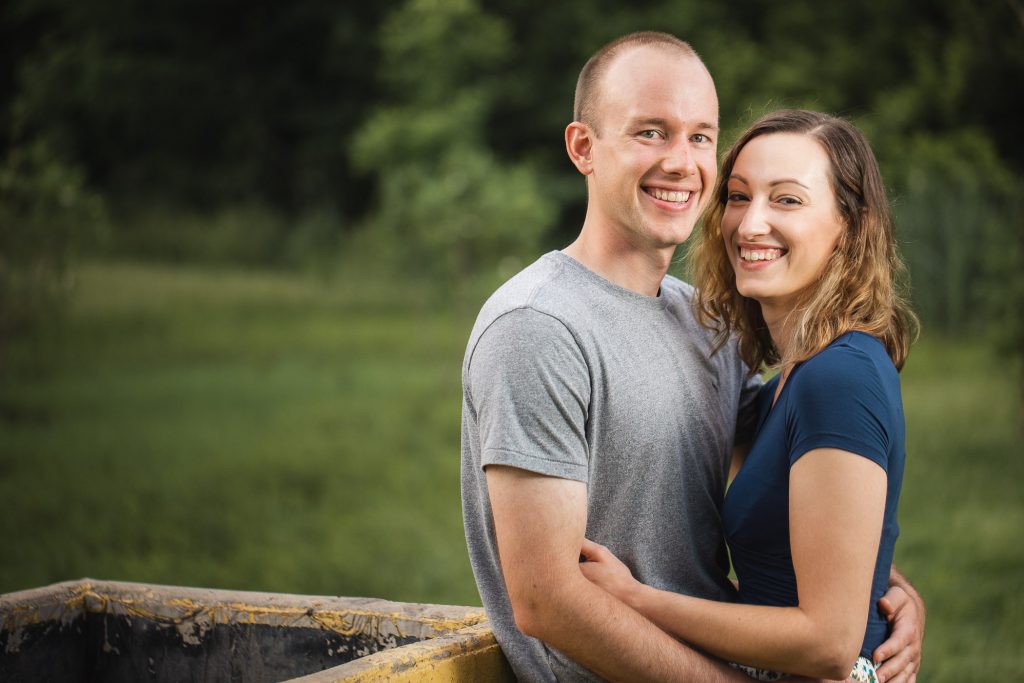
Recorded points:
(673, 236)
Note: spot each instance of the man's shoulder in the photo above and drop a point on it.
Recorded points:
(679, 295)
(677, 289)
(680, 299)
(525, 287)
(550, 287)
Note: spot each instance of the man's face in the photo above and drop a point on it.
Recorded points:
(654, 151)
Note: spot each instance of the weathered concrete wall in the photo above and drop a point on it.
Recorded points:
(105, 631)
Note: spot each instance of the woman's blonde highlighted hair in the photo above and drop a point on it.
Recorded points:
(861, 287)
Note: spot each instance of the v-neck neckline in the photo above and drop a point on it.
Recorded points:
(780, 392)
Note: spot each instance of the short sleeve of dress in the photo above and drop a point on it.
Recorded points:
(838, 401)
(529, 386)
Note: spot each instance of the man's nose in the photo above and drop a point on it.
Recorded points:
(679, 159)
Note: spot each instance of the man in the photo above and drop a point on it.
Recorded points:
(593, 405)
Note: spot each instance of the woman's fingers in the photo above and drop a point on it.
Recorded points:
(591, 550)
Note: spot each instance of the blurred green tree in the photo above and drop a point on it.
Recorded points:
(45, 214)
(446, 206)
(438, 124)
(193, 103)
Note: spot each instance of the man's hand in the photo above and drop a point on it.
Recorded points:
(900, 655)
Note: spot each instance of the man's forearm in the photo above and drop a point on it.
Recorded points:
(539, 523)
(611, 639)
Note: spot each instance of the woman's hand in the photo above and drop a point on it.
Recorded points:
(602, 568)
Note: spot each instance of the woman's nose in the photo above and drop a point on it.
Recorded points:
(755, 220)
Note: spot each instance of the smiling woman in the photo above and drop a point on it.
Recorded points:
(798, 259)
(781, 223)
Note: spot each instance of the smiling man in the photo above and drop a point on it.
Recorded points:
(593, 405)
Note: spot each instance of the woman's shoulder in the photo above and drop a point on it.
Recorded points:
(854, 359)
(855, 351)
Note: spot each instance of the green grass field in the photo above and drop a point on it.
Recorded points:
(268, 432)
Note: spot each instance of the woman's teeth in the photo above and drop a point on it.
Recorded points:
(760, 254)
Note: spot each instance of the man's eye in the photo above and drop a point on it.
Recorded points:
(650, 134)
(700, 138)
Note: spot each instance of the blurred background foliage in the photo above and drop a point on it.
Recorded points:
(428, 132)
(242, 243)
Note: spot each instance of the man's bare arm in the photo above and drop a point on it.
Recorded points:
(540, 522)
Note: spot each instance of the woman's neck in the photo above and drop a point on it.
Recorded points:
(780, 327)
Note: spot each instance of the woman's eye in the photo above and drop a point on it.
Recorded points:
(736, 197)
(789, 201)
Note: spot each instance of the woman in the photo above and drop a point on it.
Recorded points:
(798, 260)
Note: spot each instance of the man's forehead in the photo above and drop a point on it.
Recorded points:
(657, 75)
(652, 60)
(664, 103)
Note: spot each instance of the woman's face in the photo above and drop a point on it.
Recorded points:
(781, 221)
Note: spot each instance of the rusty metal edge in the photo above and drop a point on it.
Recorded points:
(469, 654)
(68, 600)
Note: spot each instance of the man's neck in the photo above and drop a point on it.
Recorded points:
(635, 269)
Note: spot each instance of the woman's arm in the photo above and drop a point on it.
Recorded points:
(837, 502)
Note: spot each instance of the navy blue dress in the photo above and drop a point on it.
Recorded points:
(847, 397)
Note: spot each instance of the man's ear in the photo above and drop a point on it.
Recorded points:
(579, 143)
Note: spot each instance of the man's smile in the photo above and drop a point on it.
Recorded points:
(675, 197)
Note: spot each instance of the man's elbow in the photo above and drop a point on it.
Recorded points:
(539, 610)
(527, 619)
(531, 613)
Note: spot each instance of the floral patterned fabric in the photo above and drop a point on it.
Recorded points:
(863, 672)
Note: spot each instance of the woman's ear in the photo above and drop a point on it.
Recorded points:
(579, 143)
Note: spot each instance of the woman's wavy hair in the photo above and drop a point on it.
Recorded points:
(861, 286)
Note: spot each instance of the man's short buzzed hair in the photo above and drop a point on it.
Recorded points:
(587, 86)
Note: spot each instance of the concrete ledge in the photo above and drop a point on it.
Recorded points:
(88, 630)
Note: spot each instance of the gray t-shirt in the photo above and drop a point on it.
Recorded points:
(569, 375)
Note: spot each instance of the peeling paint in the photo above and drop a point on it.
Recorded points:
(383, 633)
(194, 616)
(470, 654)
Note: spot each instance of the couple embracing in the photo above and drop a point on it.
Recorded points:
(607, 404)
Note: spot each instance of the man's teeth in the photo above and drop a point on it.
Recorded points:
(760, 254)
(667, 196)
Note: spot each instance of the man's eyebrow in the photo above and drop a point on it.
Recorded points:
(663, 123)
(650, 121)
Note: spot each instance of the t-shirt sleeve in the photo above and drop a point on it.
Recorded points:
(529, 387)
(839, 402)
(746, 417)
